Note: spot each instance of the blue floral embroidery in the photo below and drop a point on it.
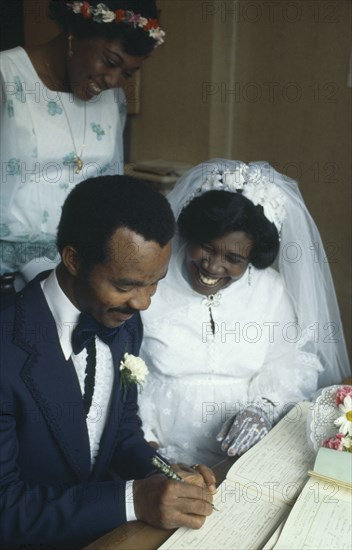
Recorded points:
(69, 159)
(104, 168)
(10, 109)
(19, 93)
(4, 230)
(15, 254)
(45, 216)
(98, 130)
(54, 108)
(13, 167)
(8, 256)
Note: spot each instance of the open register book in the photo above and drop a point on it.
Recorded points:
(322, 515)
(258, 493)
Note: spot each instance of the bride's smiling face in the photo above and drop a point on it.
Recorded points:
(217, 264)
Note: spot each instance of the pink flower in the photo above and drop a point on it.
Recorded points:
(335, 443)
(133, 18)
(342, 393)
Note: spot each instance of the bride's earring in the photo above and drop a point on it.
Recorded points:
(249, 270)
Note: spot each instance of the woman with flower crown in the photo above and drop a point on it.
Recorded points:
(246, 322)
(62, 118)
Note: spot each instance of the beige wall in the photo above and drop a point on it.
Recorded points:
(174, 122)
(254, 80)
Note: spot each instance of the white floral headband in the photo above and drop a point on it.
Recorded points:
(252, 185)
(102, 14)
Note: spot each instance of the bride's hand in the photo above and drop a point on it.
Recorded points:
(240, 432)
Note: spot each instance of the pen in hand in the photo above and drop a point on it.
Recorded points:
(166, 469)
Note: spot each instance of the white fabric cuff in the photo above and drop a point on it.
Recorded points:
(130, 513)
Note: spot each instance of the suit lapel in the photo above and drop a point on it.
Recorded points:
(51, 379)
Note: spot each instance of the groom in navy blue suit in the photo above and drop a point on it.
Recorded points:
(73, 460)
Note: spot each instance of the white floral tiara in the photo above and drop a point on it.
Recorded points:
(102, 14)
(251, 184)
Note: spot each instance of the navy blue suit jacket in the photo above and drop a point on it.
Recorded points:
(48, 494)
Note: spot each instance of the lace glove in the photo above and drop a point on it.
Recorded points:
(240, 432)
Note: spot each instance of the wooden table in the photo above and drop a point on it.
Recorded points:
(137, 535)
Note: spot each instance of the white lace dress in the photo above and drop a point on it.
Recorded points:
(197, 378)
(37, 155)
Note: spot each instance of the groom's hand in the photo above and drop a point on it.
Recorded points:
(168, 504)
(198, 474)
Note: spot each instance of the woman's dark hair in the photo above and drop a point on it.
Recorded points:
(134, 41)
(96, 207)
(217, 213)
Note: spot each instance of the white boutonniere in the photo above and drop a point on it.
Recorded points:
(133, 371)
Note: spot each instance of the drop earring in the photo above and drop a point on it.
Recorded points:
(249, 274)
(70, 50)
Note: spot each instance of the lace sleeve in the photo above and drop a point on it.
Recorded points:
(288, 374)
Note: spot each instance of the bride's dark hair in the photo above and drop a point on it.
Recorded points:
(217, 213)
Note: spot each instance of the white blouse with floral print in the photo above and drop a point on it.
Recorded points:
(38, 154)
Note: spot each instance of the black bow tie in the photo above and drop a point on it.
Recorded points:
(83, 336)
(86, 329)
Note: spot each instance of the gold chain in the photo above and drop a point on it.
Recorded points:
(78, 159)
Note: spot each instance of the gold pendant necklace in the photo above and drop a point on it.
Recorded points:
(78, 161)
(78, 158)
(79, 164)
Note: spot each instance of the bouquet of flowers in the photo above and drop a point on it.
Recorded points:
(342, 441)
(331, 419)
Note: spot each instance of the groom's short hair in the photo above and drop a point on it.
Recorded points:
(97, 207)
